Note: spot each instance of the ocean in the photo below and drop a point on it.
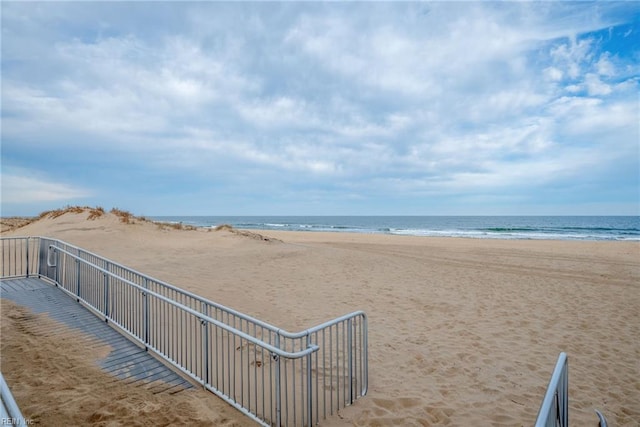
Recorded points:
(481, 227)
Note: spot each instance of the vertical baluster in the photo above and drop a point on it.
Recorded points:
(77, 280)
(145, 308)
(309, 385)
(205, 347)
(350, 357)
(241, 367)
(27, 245)
(276, 358)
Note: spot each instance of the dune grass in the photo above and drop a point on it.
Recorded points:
(62, 211)
(223, 227)
(96, 212)
(125, 216)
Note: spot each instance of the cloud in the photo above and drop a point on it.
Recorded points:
(24, 187)
(283, 111)
(380, 98)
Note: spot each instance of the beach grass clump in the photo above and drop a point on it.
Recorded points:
(244, 233)
(43, 214)
(223, 227)
(12, 223)
(93, 213)
(125, 216)
(186, 227)
(59, 212)
(50, 214)
(96, 212)
(175, 226)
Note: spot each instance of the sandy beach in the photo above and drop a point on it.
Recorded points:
(461, 331)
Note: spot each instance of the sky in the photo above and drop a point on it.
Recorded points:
(305, 108)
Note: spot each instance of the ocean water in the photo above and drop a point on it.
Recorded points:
(481, 227)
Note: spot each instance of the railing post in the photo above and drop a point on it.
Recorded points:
(57, 267)
(309, 385)
(78, 280)
(27, 245)
(205, 347)
(106, 293)
(365, 355)
(145, 308)
(350, 357)
(57, 263)
(276, 358)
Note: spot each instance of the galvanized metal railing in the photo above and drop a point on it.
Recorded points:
(554, 411)
(9, 412)
(271, 375)
(19, 256)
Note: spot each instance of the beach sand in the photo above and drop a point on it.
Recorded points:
(461, 331)
(56, 381)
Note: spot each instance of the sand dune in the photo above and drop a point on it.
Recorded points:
(462, 331)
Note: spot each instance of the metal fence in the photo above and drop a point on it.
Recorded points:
(271, 375)
(19, 256)
(554, 411)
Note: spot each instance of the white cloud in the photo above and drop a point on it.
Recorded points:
(26, 188)
(595, 86)
(431, 96)
(592, 117)
(280, 112)
(385, 59)
(604, 66)
(553, 73)
(572, 56)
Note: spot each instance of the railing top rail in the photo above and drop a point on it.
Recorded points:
(199, 315)
(549, 397)
(324, 325)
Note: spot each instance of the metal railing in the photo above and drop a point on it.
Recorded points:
(19, 257)
(9, 412)
(554, 411)
(271, 375)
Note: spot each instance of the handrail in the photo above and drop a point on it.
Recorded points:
(9, 410)
(602, 420)
(273, 376)
(202, 317)
(554, 410)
